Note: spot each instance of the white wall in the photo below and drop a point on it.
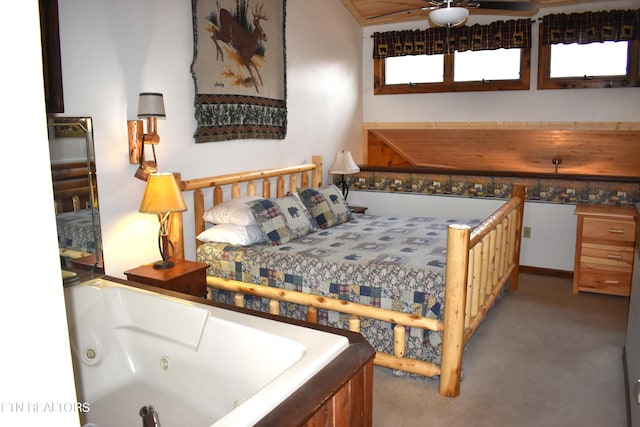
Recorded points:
(552, 243)
(35, 362)
(529, 106)
(114, 49)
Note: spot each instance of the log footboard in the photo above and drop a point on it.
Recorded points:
(355, 310)
(479, 264)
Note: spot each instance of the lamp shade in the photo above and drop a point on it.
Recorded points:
(448, 16)
(151, 104)
(343, 164)
(162, 195)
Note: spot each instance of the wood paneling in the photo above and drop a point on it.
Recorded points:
(367, 12)
(611, 149)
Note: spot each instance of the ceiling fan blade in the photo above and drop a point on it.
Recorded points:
(524, 6)
(401, 12)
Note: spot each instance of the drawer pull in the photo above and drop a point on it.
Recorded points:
(616, 230)
(614, 256)
(611, 282)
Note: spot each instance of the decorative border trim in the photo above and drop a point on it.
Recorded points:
(538, 189)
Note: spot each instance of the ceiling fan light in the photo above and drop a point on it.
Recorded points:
(449, 16)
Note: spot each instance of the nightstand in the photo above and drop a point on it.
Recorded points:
(605, 245)
(187, 277)
(358, 209)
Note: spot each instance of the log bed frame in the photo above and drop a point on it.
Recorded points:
(479, 263)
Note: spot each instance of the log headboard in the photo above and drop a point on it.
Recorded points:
(241, 184)
(72, 182)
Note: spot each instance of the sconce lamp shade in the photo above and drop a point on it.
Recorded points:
(449, 16)
(162, 195)
(151, 104)
(343, 164)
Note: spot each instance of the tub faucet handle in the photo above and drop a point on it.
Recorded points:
(149, 416)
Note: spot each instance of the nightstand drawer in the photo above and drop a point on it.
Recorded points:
(606, 282)
(607, 229)
(607, 254)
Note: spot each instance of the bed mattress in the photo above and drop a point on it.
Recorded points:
(382, 261)
(76, 230)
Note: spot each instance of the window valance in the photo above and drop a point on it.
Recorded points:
(432, 41)
(591, 27)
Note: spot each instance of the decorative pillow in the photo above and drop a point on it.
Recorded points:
(327, 205)
(282, 219)
(235, 211)
(232, 234)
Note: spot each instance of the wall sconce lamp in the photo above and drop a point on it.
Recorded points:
(151, 107)
(162, 196)
(344, 165)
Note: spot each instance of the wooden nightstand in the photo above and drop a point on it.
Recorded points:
(605, 245)
(187, 277)
(358, 209)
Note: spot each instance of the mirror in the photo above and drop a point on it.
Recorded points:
(75, 192)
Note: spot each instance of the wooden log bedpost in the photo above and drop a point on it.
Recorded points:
(316, 174)
(454, 309)
(176, 235)
(517, 190)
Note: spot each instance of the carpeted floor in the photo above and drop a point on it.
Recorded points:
(544, 357)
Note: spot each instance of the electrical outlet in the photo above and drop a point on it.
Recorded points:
(526, 232)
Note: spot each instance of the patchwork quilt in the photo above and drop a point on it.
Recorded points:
(76, 229)
(382, 261)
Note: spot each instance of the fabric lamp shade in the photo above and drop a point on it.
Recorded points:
(151, 104)
(162, 195)
(343, 164)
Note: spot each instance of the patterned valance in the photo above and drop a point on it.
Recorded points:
(432, 41)
(591, 27)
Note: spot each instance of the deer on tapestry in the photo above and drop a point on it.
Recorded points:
(240, 39)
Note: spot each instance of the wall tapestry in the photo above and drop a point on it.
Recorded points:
(239, 69)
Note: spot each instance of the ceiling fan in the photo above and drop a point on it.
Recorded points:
(451, 13)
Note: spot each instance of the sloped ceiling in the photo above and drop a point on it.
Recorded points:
(367, 12)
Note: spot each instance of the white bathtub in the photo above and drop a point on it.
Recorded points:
(194, 363)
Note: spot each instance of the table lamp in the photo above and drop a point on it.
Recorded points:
(344, 165)
(162, 196)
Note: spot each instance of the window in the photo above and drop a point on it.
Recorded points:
(502, 69)
(606, 56)
(594, 65)
(486, 65)
(588, 60)
(476, 58)
(414, 69)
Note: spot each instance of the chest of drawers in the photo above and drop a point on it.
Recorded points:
(605, 245)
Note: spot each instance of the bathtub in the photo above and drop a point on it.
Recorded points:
(195, 363)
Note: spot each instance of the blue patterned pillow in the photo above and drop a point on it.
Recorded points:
(326, 205)
(282, 219)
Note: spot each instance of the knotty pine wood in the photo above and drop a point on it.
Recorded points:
(605, 244)
(601, 149)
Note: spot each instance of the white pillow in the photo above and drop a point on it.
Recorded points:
(232, 234)
(234, 211)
